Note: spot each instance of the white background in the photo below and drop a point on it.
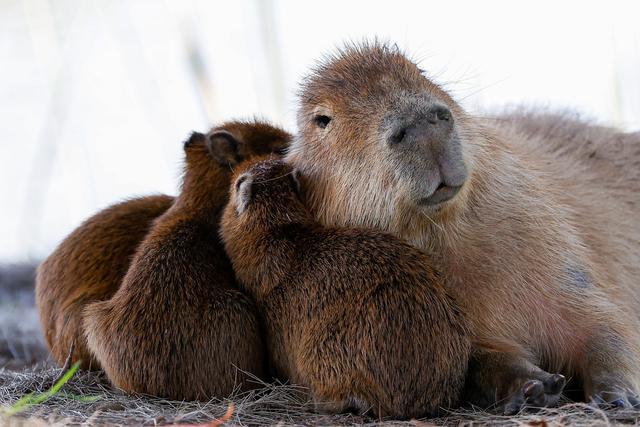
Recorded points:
(97, 96)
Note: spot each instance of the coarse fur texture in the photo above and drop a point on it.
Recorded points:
(178, 327)
(88, 266)
(357, 316)
(535, 225)
(89, 400)
(90, 263)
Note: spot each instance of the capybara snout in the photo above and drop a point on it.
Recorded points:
(423, 143)
(431, 129)
(250, 186)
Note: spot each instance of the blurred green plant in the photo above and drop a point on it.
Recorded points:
(36, 398)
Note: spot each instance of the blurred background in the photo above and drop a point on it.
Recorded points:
(96, 96)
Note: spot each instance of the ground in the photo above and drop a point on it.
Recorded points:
(87, 398)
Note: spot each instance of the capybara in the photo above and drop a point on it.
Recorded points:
(90, 263)
(534, 228)
(178, 327)
(88, 266)
(355, 315)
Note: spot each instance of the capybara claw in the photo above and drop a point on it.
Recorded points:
(533, 392)
(624, 399)
(634, 401)
(618, 403)
(557, 383)
(536, 394)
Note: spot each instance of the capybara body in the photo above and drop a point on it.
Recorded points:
(89, 265)
(355, 315)
(177, 326)
(533, 221)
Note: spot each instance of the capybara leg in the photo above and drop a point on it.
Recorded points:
(611, 372)
(538, 393)
(611, 390)
(614, 397)
(512, 383)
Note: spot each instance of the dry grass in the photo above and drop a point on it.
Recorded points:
(88, 400)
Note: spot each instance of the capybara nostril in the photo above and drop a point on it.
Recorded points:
(398, 136)
(435, 125)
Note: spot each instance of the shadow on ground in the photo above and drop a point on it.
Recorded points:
(21, 342)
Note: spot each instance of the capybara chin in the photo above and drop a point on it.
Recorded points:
(535, 228)
(356, 316)
(178, 327)
(90, 263)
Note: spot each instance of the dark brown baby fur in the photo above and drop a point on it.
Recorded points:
(177, 327)
(89, 264)
(357, 316)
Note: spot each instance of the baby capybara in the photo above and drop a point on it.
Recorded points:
(178, 327)
(90, 263)
(355, 315)
(88, 266)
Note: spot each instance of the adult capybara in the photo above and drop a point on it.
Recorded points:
(90, 263)
(356, 315)
(535, 228)
(178, 327)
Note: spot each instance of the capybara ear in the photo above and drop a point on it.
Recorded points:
(243, 192)
(224, 147)
(194, 139)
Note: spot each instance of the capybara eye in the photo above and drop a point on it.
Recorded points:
(281, 151)
(322, 121)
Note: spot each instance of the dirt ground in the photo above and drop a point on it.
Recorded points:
(88, 399)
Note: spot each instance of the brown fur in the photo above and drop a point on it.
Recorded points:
(178, 327)
(91, 262)
(88, 266)
(356, 315)
(542, 243)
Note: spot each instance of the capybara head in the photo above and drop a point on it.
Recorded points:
(264, 196)
(255, 188)
(378, 140)
(229, 144)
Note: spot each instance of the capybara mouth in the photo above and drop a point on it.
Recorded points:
(442, 194)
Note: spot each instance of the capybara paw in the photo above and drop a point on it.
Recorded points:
(620, 398)
(536, 393)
